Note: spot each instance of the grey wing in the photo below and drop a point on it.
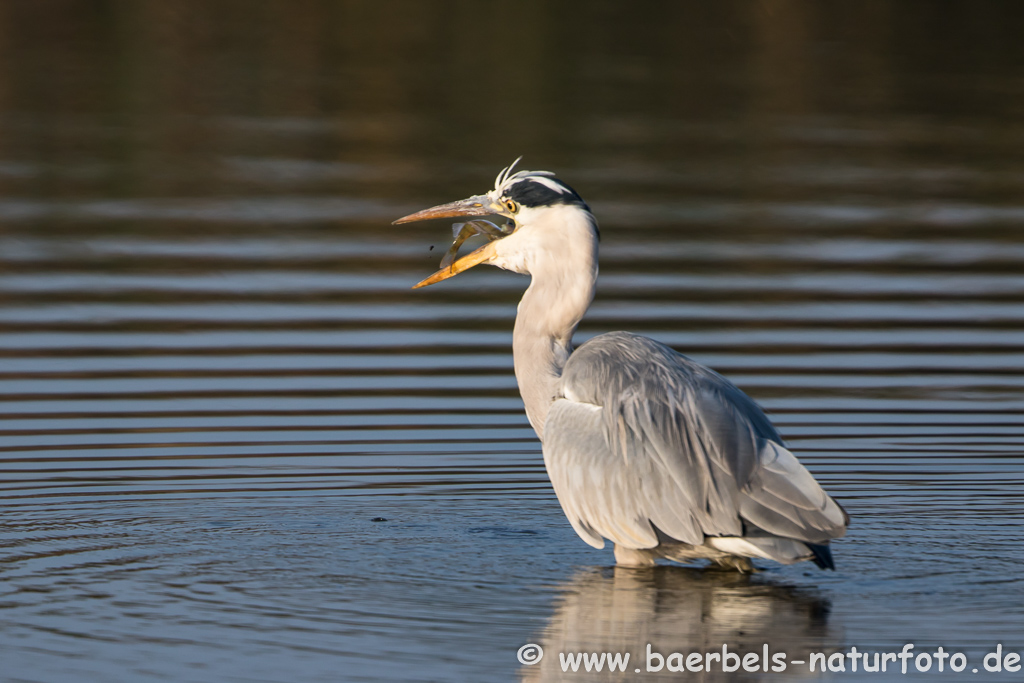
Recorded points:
(644, 441)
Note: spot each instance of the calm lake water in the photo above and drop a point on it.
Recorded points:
(215, 380)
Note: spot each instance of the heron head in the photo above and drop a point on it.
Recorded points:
(520, 197)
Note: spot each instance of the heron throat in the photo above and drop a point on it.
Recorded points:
(559, 294)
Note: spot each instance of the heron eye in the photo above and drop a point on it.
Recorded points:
(511, 205)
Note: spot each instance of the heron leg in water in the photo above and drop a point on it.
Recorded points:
(734, 563)
(627, 557)
(681, 552)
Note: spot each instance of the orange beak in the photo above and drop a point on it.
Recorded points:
(474, 258)
(479, 205)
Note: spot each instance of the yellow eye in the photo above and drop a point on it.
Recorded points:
(511, 205)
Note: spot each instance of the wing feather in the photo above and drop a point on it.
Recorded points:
(644, 441)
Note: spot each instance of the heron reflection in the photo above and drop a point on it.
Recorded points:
(680, 610)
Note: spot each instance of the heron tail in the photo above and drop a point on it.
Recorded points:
(822, 555)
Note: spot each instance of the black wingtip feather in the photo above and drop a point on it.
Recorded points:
(822, 556)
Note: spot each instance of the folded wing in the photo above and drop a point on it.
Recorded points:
(645, 445)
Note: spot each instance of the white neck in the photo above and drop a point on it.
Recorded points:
(560, 253)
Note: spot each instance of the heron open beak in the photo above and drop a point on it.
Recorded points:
(478, 205)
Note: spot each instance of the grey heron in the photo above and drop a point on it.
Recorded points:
(644, 447)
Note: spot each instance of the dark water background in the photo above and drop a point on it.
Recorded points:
(214, 376)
